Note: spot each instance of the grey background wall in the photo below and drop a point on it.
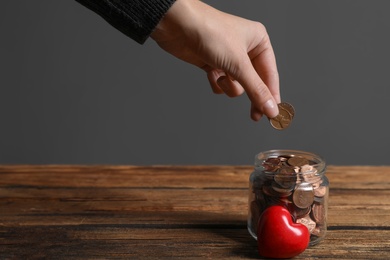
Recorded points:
(75, 90)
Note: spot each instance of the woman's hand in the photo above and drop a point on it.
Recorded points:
(236, 53)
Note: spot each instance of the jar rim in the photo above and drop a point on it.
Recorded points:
(319, 161)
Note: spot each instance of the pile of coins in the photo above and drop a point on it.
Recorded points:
(285, 116)
(293, 182)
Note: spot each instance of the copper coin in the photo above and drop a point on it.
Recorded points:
(317, 232)
(319, 200)
(303, 195)
(318, 212)
(289, 108)
(320, 191)
(283, 158)
(312, 178)
(300, 213)
(271, 164)
(308, 222)
(268, 167)
(287, 170)
(282, 120)
(285, 180)
(269, 191)
(281, 191)
(272, 160)
(308, 169)
(298, 161)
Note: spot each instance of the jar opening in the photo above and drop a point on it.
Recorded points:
(290, 161)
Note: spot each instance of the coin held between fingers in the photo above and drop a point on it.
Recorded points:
(284, 118)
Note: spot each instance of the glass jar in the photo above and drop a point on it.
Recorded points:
(295, 180)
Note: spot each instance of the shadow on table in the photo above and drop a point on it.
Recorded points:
(227, 231)
(243, 245)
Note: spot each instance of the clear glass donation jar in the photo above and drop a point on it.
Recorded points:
(295, 180)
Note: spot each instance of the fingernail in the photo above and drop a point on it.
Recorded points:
(270, 108)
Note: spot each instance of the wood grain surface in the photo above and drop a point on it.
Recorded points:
(182, 212)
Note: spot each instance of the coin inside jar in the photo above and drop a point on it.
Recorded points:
(320, 191)
(298, 161)
(308, 222)
(281, 191)
(286, 180)
(298, 212)
(303, 195)
(318, 212)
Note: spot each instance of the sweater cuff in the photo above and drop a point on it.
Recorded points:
(135, 18)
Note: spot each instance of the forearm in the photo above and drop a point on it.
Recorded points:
(135, 18)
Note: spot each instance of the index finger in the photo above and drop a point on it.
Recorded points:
(260, 95)
(264, 62)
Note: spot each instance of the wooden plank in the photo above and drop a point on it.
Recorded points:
(105, 241)
(359, 177)
(34, 206)
(126, 176)
(345, 177)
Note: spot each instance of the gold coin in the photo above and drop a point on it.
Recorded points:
(282, 120)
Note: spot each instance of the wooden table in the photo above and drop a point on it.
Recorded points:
(135, 212)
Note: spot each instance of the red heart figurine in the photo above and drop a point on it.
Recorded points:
(278, 236)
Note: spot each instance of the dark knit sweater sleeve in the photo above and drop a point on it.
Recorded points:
(135, 18)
